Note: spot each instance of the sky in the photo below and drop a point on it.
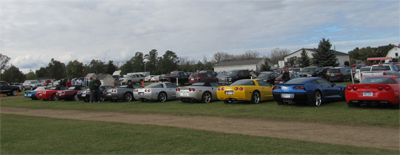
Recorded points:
(32, 32)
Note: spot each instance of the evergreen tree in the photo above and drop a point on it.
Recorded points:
(266, 66)
(304, 60)
(324, 56)
(13, 74)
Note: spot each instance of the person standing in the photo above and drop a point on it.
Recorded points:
(79, 82)
(92, 91)
(97, 84)
(286, 76)
(68, 83)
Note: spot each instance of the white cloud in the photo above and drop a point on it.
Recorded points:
(114, 30)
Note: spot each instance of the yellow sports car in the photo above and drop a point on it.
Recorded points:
(254, 90)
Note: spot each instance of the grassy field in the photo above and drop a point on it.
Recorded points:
(39, 135)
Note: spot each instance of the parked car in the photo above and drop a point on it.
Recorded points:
(155, 78)
(124, 92)
(234, 75)
(312, 71)
(32, 94)
(374, 90)
(312, 90)
(148, 78)
(292, 75)
(19, 85)
(382, 69)
(134, 78)
(47, 83)
(85, 94)
(202, 76)
(70, 93)
(161, 91)
(49, 94)
(253, 90)
(182, 77)
(198, 91)
(339, 74)
(268, 77)
(31, 84)
(8, 89)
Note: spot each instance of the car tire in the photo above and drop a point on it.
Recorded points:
(317, 99)
(54, 97)
(14, 93)
(162, 97)
(206, 98)
(75, 97)
(128, 97)
(255, 97)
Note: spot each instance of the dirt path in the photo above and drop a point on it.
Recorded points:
(366, 136)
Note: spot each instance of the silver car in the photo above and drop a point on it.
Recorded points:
(198, 91)
(31, 84)
(124, 93)
(161, 91)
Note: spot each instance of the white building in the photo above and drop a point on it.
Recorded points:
(254, 64)
(394, 52)
(342, 57)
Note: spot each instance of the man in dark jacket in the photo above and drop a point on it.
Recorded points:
(286, 76)
(97, 84)
(91, 88)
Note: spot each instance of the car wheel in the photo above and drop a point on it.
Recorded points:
(128, 97)
(255, 98)
(353, 104)
(54, 97)
(14, 93)
(162, 97)
(317, 100)
(76, 98)
(228, 101)
(207, 97)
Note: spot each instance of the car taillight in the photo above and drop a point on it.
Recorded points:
(192, 89)
(135, 90)
(114, 90)
(219, 89)
(277, 87)
(380, 88)
(241, 88)
(149, 90)
(236, 88)
(361, 74)
(339, 74)
(349, 88)
(104, 91)
(387, 88)
(355, 88)
(327, 74)
(177, 89)
(384, 73)
(299, 87)
(169, 79)
(222, 88)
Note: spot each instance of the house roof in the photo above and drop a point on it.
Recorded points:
(240, 62)
(314, 50)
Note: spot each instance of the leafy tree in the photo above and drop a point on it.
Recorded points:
(31, 76)
(304, 60)
(3, 61)
(111, 68)
(42, 72)
(324, 56)
(152, 63)
(97, 67)
(137, 62)
(13, 74)
(168, 62)
(127, 67)
(56, 69)
(266, 66)
(75, 69)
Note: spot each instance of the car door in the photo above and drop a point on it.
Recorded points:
(266, 90)
(171, 90)
(327, 89)
(4, 87)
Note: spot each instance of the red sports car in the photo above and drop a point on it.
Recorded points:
(70, 94)
(49, 94)
(374, 90)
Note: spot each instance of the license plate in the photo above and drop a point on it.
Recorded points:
(192, 79)
(40, 94)
(285, 88)
(332, 74)
(367, 94)
(59, 94)
(184, 94)
(287, 95)
(83, 95)
(141, 93)
(229, 93)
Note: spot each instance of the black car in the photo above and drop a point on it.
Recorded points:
(312, 71)
(234, 75)
(8, 89)
(268, 77)
(338, 74)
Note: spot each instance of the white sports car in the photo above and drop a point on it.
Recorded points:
(161, 91)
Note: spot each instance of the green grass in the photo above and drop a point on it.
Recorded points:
(334, 112)
(40, 135)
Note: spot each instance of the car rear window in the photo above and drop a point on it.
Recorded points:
(194, 75)
(334, 70)
(380, 68)
(377, 80)
(243, 82)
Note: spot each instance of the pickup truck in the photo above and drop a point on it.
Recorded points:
(182, 77)
(8, 89)
(381, 69)
(134, 78)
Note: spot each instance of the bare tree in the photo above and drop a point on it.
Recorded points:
(3, 61)
(277, 55)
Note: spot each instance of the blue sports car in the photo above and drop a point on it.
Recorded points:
(312, 90)
(32, 94)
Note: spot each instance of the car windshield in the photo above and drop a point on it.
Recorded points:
(380, 68)
(243, 82)
(198, 84)
(232, 73)
(297, 81)
(264, 75)
(308, 69)
(127, 76)
(71, 88)
(155, 85)
(221, 75)
(378, 80)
